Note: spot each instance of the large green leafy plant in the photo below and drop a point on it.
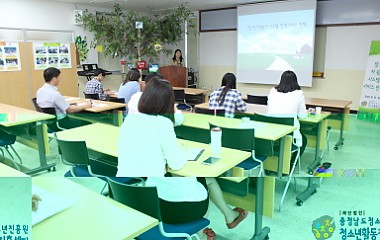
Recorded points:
(117, 33)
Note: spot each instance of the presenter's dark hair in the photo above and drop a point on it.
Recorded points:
(288, 82)
(99, 71)
(229, 82)
(132, 75)
(158, 99)
(180, 58)
(50, 73)
(153, 75)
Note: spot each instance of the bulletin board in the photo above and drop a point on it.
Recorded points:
(18, 87)
(14, 85)
(68, 85)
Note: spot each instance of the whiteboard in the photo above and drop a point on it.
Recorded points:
(348, 47)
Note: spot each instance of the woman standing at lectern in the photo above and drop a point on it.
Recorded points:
(177, 58)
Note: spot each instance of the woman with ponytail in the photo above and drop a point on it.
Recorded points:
(227, 97)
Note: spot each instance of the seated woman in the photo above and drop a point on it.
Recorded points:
(227, 97)
(147, 142)
(287, 99)
(186, 199)
(148, 147)
(130, 85)
(134, 101)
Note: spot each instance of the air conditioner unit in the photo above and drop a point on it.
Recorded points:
(77, 15)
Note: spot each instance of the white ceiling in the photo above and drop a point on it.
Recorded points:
(148, 5)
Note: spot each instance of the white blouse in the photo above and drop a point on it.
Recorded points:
(291, 104)
(147, 143)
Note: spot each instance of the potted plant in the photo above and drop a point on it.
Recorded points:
(117, 32)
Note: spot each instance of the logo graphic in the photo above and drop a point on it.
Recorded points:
(323, 227)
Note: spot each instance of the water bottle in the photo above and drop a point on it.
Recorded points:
(216, 141)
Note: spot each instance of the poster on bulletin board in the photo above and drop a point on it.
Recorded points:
(9, 56)
(369, 107)
(51, 55)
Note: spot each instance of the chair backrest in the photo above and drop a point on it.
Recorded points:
(49, 110)
(179, 95)
(277, 120)
(93, 96)
(52, 124)
(118, 100)
(143, 199)
(74, 153)
(219, 112)
(263, 100)
(6, 138)
(271, 119)
(237, 138)
(34, 101)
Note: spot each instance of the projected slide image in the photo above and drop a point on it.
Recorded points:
(276, 42)
(285, 37)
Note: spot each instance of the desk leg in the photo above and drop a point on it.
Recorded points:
(341, 139)
(41, 151)
(313, 184)
(260, 233)
(317, 159)
(117, 118)
(280, 162)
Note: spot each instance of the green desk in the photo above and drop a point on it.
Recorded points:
(319, 121)
(20, 116)
(196, 128)
(92, 216)
(339, 107)
(104, 138)
(99, 108)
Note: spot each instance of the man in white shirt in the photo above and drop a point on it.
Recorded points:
(49, 97)
(134, 101)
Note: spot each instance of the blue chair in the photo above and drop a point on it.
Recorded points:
(6, 142)
(243, 139)
(145, 199)
(75, 155)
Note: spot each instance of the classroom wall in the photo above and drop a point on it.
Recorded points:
(45, 15)
(345, 61)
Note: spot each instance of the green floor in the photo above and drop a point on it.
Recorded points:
(360, 151)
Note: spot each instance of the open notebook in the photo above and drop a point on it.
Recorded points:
(50, 204)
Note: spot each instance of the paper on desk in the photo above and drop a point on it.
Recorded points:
(99, 105)
(71, 99)
(50, 204)
(194, 153)
(81, 104)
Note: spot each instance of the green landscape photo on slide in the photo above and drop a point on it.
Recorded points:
(276, 41)
(268, 61)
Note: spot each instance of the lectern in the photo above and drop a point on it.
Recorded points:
(176, 75)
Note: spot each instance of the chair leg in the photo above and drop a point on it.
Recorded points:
(12, 159)
(102, 191)
(288, 182)
(295, 184)
(2, 152)
(18, 156)
(328, 139)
